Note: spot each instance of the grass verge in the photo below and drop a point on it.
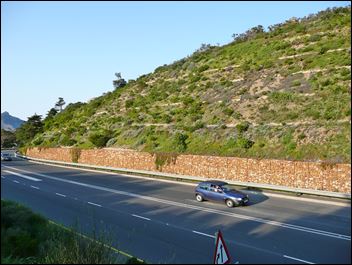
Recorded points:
(29, 238)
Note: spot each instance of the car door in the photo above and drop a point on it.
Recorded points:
(215, 193)
(205, 191)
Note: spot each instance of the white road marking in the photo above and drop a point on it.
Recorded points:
(59, 194)
(298, 259)
(200, 233)
(138, 216)
(200, 208)
(94, 204)
(34, 187)
(15, 181)
(22, 176)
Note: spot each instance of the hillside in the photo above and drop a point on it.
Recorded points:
(284, 93)
(10, 123)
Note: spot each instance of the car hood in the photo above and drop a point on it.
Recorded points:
(236, 193)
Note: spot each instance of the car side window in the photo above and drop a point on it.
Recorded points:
(204, 187)
(212, 188)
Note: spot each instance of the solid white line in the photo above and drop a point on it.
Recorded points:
(15, 181)
(138, 216)
(59, 194)
(22, 176)
(94, 204)
(200, 233)
(298, 259)
(34, 187)
(204, 209)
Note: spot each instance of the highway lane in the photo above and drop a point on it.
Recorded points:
(274, 230)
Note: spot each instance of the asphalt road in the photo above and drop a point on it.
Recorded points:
(161, 222)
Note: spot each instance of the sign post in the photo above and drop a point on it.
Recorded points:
(221, 255)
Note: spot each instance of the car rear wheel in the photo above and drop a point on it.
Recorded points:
(199, 198)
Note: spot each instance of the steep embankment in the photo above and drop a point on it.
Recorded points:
(284, 93)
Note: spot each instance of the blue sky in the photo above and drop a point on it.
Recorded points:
(73, 49)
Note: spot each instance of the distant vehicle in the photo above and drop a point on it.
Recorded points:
(220, 191)
(5, 157)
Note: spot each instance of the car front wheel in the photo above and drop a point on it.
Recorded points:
(199, 198)
(230, 203)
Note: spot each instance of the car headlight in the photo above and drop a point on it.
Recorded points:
(239, 199)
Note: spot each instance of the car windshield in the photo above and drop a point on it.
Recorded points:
(226, 187)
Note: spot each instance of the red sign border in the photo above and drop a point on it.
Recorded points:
(226, 250)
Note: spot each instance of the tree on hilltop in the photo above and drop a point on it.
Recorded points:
(59, 104)
(119, 82)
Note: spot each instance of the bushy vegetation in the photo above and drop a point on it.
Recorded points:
(8, 139)
(228, 100)
(29, 238)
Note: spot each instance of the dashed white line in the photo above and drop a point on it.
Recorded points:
(34, 187)
(138, 216)
(59, 194)
(308, 262)
(200, 233)
(15, 181)
(94, 204)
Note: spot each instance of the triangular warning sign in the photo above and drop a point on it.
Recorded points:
(222, 255)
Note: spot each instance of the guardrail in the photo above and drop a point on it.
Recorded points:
(197, 178)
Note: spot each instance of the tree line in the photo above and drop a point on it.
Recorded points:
(27, 131)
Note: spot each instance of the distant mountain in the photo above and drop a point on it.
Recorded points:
(10, 123)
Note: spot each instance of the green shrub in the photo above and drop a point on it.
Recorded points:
(198, 125)
(66, 141)
(192, 87)
(100, 139)
(128, 103)
(281, 45)
(314, 38)
(228, 111)
(38, 140)
(166, 118)
(195, 78)
(244, 143)
(281, 97)
(203, 68)
(323, 50)
(242, 127)
(180, 142)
